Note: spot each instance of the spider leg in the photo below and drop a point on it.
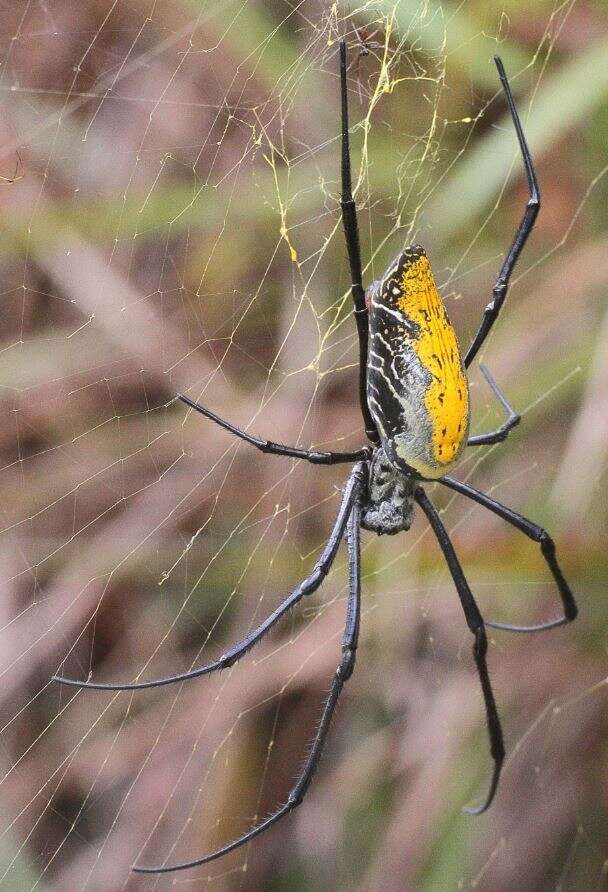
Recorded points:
(231, 656)
(351, 234)
(317, 458)
(475, 623)
(513, 418)
(547, 547)
(525, 227)
(343, 673)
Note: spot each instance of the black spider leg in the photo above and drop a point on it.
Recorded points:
(318, 458)
(513, 418)
(476, 624)
(547, 547)
(343, 673)
(525, 227)
(307, 587)
(351, 234)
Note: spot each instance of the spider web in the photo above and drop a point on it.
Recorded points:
(170, 197)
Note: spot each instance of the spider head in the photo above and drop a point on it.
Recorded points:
(389, 504)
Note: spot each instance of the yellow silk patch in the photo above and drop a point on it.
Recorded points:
(447, 397)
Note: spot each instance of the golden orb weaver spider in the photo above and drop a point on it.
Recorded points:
(413, 395)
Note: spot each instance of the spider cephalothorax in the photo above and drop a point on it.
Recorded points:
(414, 402)
(389, 500)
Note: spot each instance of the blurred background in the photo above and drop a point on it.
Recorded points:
(170, 222)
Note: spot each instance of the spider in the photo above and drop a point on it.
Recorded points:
(414, 399)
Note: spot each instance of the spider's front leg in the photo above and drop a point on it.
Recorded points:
(476, 624)
(353, 490)
(547, 547)
(343, 672)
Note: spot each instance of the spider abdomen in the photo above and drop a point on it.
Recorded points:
(417, 388)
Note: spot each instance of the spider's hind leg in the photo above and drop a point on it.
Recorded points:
(351, 235)
(499, 292)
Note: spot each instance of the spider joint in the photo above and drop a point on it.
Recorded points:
(347, 663)
(547, 545)
(320, 569)
(480, 647)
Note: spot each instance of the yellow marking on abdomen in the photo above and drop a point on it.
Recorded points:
(447, 397)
